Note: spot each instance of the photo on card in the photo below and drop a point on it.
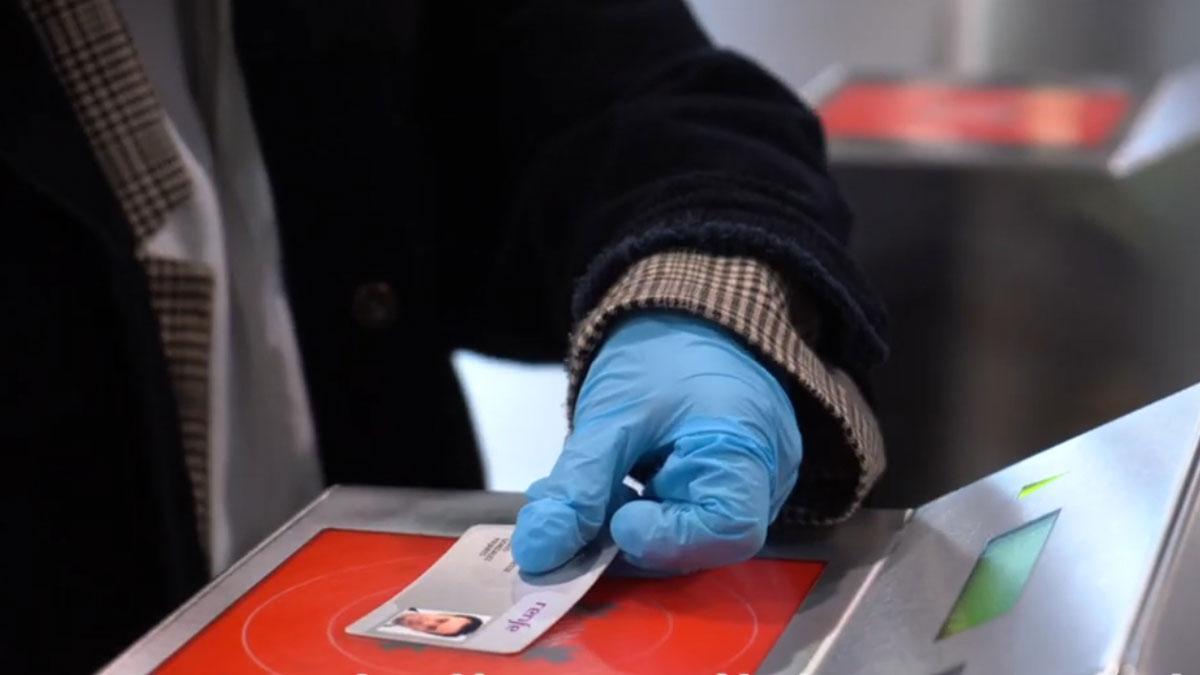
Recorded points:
(435, 623)
(475, 596)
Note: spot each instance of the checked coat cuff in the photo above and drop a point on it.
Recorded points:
(843, 449)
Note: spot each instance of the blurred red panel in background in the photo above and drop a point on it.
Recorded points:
(930, 112)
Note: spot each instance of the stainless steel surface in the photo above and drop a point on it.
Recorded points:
(1165, 641)
(1119, 500)
(434, 512)
(852, 551)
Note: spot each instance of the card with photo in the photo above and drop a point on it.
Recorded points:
(446, 625)
(475, 597)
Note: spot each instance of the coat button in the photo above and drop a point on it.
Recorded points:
(374, 305)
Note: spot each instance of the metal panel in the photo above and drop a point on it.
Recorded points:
(1166, 641)
(1119, 497)
(434, 512)
(852, 552)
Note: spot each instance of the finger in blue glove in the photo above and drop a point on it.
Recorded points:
(677, 393)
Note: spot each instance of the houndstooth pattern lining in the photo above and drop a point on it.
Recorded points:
(181, 296)
(99, 68)
(97, 64)
(843, 448)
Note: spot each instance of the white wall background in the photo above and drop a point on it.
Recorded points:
(518, 411)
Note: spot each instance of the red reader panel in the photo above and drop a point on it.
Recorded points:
(294, 621)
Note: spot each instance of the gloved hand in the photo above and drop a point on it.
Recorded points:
(678, 392)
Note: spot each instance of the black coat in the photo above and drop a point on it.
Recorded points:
(443, 178)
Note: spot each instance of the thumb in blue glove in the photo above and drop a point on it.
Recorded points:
(680, 394)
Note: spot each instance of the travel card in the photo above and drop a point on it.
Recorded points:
(475, 597)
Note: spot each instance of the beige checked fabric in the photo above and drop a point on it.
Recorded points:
(99, 69)
(181, 295)
(96, 63)
(843, 449)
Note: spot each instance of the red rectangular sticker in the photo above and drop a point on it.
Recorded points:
(294, 621)
(928, 112)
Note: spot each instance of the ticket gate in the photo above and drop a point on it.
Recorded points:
(1084, 558)
(1035, 241)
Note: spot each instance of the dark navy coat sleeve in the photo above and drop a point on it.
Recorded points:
(615, 130)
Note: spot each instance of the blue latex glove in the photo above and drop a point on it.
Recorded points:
(677, 391)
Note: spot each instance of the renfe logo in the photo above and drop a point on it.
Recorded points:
(526, 617)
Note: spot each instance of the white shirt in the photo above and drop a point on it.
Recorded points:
(263, 462)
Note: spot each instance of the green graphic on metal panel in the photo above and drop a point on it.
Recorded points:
(999, 576)
(1034, 487)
